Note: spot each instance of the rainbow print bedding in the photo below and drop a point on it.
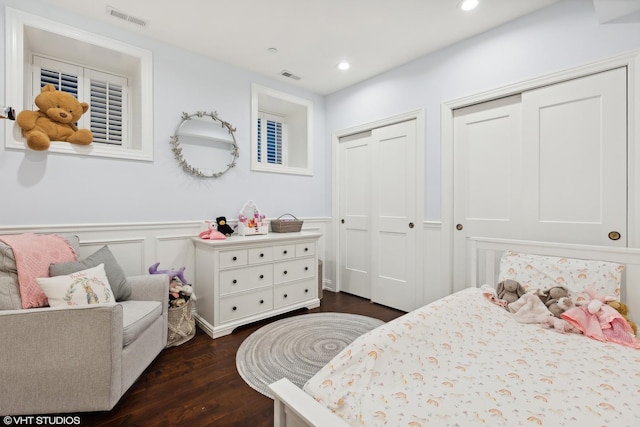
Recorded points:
(463, 361)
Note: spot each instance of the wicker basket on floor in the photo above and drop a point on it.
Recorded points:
(286, 225)
(182, 325)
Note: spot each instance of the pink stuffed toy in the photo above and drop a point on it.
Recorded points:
(211, 233)
(600, 321)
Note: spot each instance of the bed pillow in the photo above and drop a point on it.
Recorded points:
(84, 287)
(115, 274)
(543, 272)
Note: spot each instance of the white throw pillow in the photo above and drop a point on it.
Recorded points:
(84, 287)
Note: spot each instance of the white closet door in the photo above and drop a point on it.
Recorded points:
(575, 152)
(378, 230)
(355, 214)
(487, 170)
(551, 166)
(394, 222)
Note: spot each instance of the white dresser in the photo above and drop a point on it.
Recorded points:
(247, 278)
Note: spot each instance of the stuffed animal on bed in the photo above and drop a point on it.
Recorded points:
(54, 120)
(509, 290)
(624, 311)
(556, 299)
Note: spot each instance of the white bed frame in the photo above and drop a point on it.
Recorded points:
(294, 408)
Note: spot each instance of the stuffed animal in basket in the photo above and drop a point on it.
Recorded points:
(54, 120)
(171, 273)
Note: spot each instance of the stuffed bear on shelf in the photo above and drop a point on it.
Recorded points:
(223, 227)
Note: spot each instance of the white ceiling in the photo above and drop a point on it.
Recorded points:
(311, 36)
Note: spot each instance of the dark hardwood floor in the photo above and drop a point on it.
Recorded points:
(197, 384)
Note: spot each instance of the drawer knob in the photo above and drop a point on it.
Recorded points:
(235, 258)
(234, 308)
(262, 276)
(261, 301)
(234, 281)
(261, 255)
(285, 295)
(306, 249)
(284, 252)
(306, 269)
(284, 272)
(306, 291)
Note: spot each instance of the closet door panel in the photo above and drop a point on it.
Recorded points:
(394, 206)
(355, 207)
(575, 148)
(487, 176)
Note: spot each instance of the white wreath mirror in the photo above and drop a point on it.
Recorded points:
(208, 142)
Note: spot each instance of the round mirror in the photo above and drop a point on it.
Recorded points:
(208, 142)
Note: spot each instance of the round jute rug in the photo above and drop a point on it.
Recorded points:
(297, 347)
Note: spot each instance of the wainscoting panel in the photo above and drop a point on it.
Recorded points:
(137, 246)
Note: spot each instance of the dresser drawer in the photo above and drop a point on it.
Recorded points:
(294, 293)
(232, 308)
(288, 271)
(233, 258)
(281, 252)
(305, 249)
(257, 255)
(242, 279)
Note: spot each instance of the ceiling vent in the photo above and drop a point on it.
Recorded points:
(125, 17)
(290, 75)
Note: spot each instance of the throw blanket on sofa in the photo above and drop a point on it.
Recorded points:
(33, 254)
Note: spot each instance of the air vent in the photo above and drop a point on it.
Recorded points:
(125, 17)
(290, 75)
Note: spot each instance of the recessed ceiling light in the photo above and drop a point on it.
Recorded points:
(344, 65)
(468, 4)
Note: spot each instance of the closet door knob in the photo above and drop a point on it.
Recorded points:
(459, 227)
(411, 225)
(614, 235)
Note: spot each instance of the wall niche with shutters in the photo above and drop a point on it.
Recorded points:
(281, 132)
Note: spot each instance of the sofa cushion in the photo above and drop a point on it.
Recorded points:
(10, 297)
(115, 274)
(84, 287)
(137, 316)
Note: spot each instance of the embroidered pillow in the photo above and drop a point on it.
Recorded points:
(115, 274)
(84, 287)
(543, 272)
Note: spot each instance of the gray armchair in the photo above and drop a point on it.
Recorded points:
(79, 359)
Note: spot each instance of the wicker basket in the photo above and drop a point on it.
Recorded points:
(286, 225)
(182, 325)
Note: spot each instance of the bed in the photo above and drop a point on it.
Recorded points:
(463, 360)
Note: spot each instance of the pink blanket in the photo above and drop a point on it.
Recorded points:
(34, 253)
(604, 325)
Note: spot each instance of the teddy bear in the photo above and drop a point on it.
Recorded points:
(54, 120)
(556, 299)
(509, 290)
(624, 311)
(223, 227)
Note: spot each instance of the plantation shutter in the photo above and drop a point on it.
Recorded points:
(106, 112)
(271, 138)
(105, 93)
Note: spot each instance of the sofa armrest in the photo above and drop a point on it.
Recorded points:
(152, 287)
(149, 287)
(70, 356)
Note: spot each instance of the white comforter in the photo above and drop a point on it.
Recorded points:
(463, 361)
